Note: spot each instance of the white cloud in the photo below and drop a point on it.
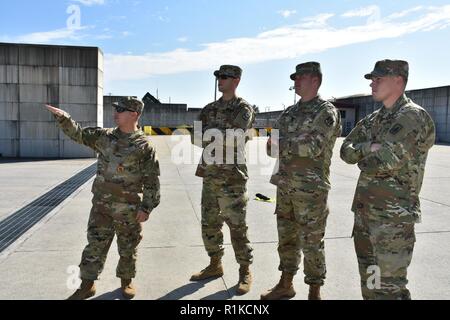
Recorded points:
(49, 36)
(281, 43)
(90, 2)
(287, 13)
(361, 12)
(405, 12)
(54, 36)
(318, 21)
(182, 39)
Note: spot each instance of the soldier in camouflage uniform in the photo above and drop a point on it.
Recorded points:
(224, 194)
(307, 134)
(390, 147)
(126, 190)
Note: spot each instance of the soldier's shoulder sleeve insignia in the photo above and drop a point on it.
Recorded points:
(396, 129)
(329, 121)
(246, 115)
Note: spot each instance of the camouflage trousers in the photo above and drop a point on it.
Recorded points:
(384, 252)
(301, 222)
(222, 202)
(105, 220)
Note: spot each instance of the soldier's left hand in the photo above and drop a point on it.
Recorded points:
(142, 216)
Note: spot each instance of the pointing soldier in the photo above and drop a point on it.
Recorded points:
(390, 147)
(224, 194)
(127, 167)
(307, 134)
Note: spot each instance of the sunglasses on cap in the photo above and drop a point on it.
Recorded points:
(224, 77)
(122, 109)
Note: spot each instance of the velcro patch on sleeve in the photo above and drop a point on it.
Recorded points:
(329, 121)
(396, 129)
(246, 116)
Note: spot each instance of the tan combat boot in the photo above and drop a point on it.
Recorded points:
(128, 289)
(87, 290)
(284, 288)
(314, 292)
(245, 280)
(213, 270)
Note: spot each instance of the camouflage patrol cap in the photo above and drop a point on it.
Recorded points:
(130, 103)
(229, 70)
(307, 67)
(389, 68)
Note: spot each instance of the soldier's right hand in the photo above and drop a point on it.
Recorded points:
(55, 111)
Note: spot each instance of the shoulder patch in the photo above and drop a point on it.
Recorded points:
(329, 121)
(246, 115)
(396, 129)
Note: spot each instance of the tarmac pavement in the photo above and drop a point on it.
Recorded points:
(36, 266)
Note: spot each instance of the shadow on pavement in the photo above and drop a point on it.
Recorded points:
(192, 287)
(112, 295)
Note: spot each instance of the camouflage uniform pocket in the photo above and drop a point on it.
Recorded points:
(284, 208)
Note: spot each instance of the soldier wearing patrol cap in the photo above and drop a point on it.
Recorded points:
(390, 147)
(307, 134)
(126, 190)
(224, 195)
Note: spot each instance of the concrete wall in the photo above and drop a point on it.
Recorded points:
(169, 115)
(70, 78)
(266, 119)
(155, 114)
(435, 100)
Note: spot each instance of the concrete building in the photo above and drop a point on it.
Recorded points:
(156, 114)
(70, 78)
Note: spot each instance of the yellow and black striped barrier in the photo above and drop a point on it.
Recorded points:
(257, 132)
(167, 131)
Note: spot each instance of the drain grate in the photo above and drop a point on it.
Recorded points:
(16, 224)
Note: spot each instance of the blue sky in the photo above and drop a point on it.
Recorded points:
(174, 46)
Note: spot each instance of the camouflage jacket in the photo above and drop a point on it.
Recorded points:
(391, 178)
(222, 116)
(127, 164)
(307, 134)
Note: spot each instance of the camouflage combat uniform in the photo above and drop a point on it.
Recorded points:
(224, 193)
(386, 202)
(307, 134)
(127, 167)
